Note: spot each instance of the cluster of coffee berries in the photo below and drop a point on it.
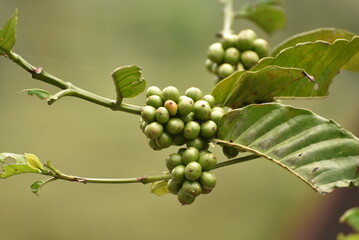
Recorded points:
(235, 52)
(191, 176)
(170, 119)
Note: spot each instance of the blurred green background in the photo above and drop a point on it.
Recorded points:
(82, 42)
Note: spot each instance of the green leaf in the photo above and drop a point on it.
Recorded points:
(33, 161)
(351, 217)
(159, 188)
(19, 164)
(35, 187)
(246, 87)
(342, 236)
(128, 82)
(323, 34)
(8, 34)
(269, 15)
(314, 149)
(40, 93)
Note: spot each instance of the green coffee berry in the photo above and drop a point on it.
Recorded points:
(153, 90)
(178, 174)
(229, 40)
(215, 52)
(191, 188)
(230, 152)
(208, 161)
(154, 101)
(249, 58)
(179, 140)
(216, 116)
(210, 99)
(190, 155)
(170, 93)
(225, 70)
(173, 160)
(185, 105)
(191, 130)
(261, 47)
(208, 129)
(202, 110)
(162, 115)
(171, 106)
(246, 38)
(153, 130)
(173, 187)
(208, 180)
(219, 109)
(198, 143)
(152, 143)
(232, 56)
(194, 93)
(193, 171)
(209, 64)
(240, 67)
(148, 113)
(188, 118)
(184, 199)
(165, 140)
(175, 126)
(206, 190)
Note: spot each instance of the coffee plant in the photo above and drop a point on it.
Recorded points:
(242, 114)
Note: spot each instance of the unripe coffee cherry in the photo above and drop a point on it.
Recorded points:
(184, 199)
(173, 187)
(173, 160)
(191, 130)
(261, 47)
(170, 93)
(153, 130)
(210, 99)
(191, 188)
(225, 70)
(162, 115)
(206, 190)
(154, 101)
(216, 116)
(152, 143)
(194, 93)
(198, 143)
(190, 155)
(178, 174)
(148, 113)
(215, 52)
(249, 58)
(208, 180)
(171, 106)
(219, 109)
(209, 65)
(153, 90)
(202, 110)
(185, 105)
(229, 40)
(179, 140)
(230, 152)
(208, 129)
(193, 171)
(246, 38)
(208, 161)
(175, 126)
(165, 140)
(232, 56)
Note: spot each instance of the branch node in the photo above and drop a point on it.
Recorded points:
(141, 179)
(36, 70)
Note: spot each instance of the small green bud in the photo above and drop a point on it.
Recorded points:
(153, 90)
(153, 130)
(162, 115)
(170, 93)
(232, 56)
(152, 143)
(185, 105)
(208, 180)
(261, 47)
(194, 93)
(208, 161)
(202, 110)
(165, 140)
(173, 187)
(191, 188)
(230, 152)
(175, 126)
(178, 174)
(184, 199)
(198, 143)
(154, 101)
(179, 140)
(225, 70)
(148, 113)
(249, 58)
(229, 40)
(209, 65)
(191, 130)
(210, 99)
(171, 106)
(246, 38)
(173, 160)
(215, 52)
(188, 118)
(190, 155)
(208, 129)
(216, 116)
(193, 171)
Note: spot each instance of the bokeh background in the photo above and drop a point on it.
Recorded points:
(82, 42)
